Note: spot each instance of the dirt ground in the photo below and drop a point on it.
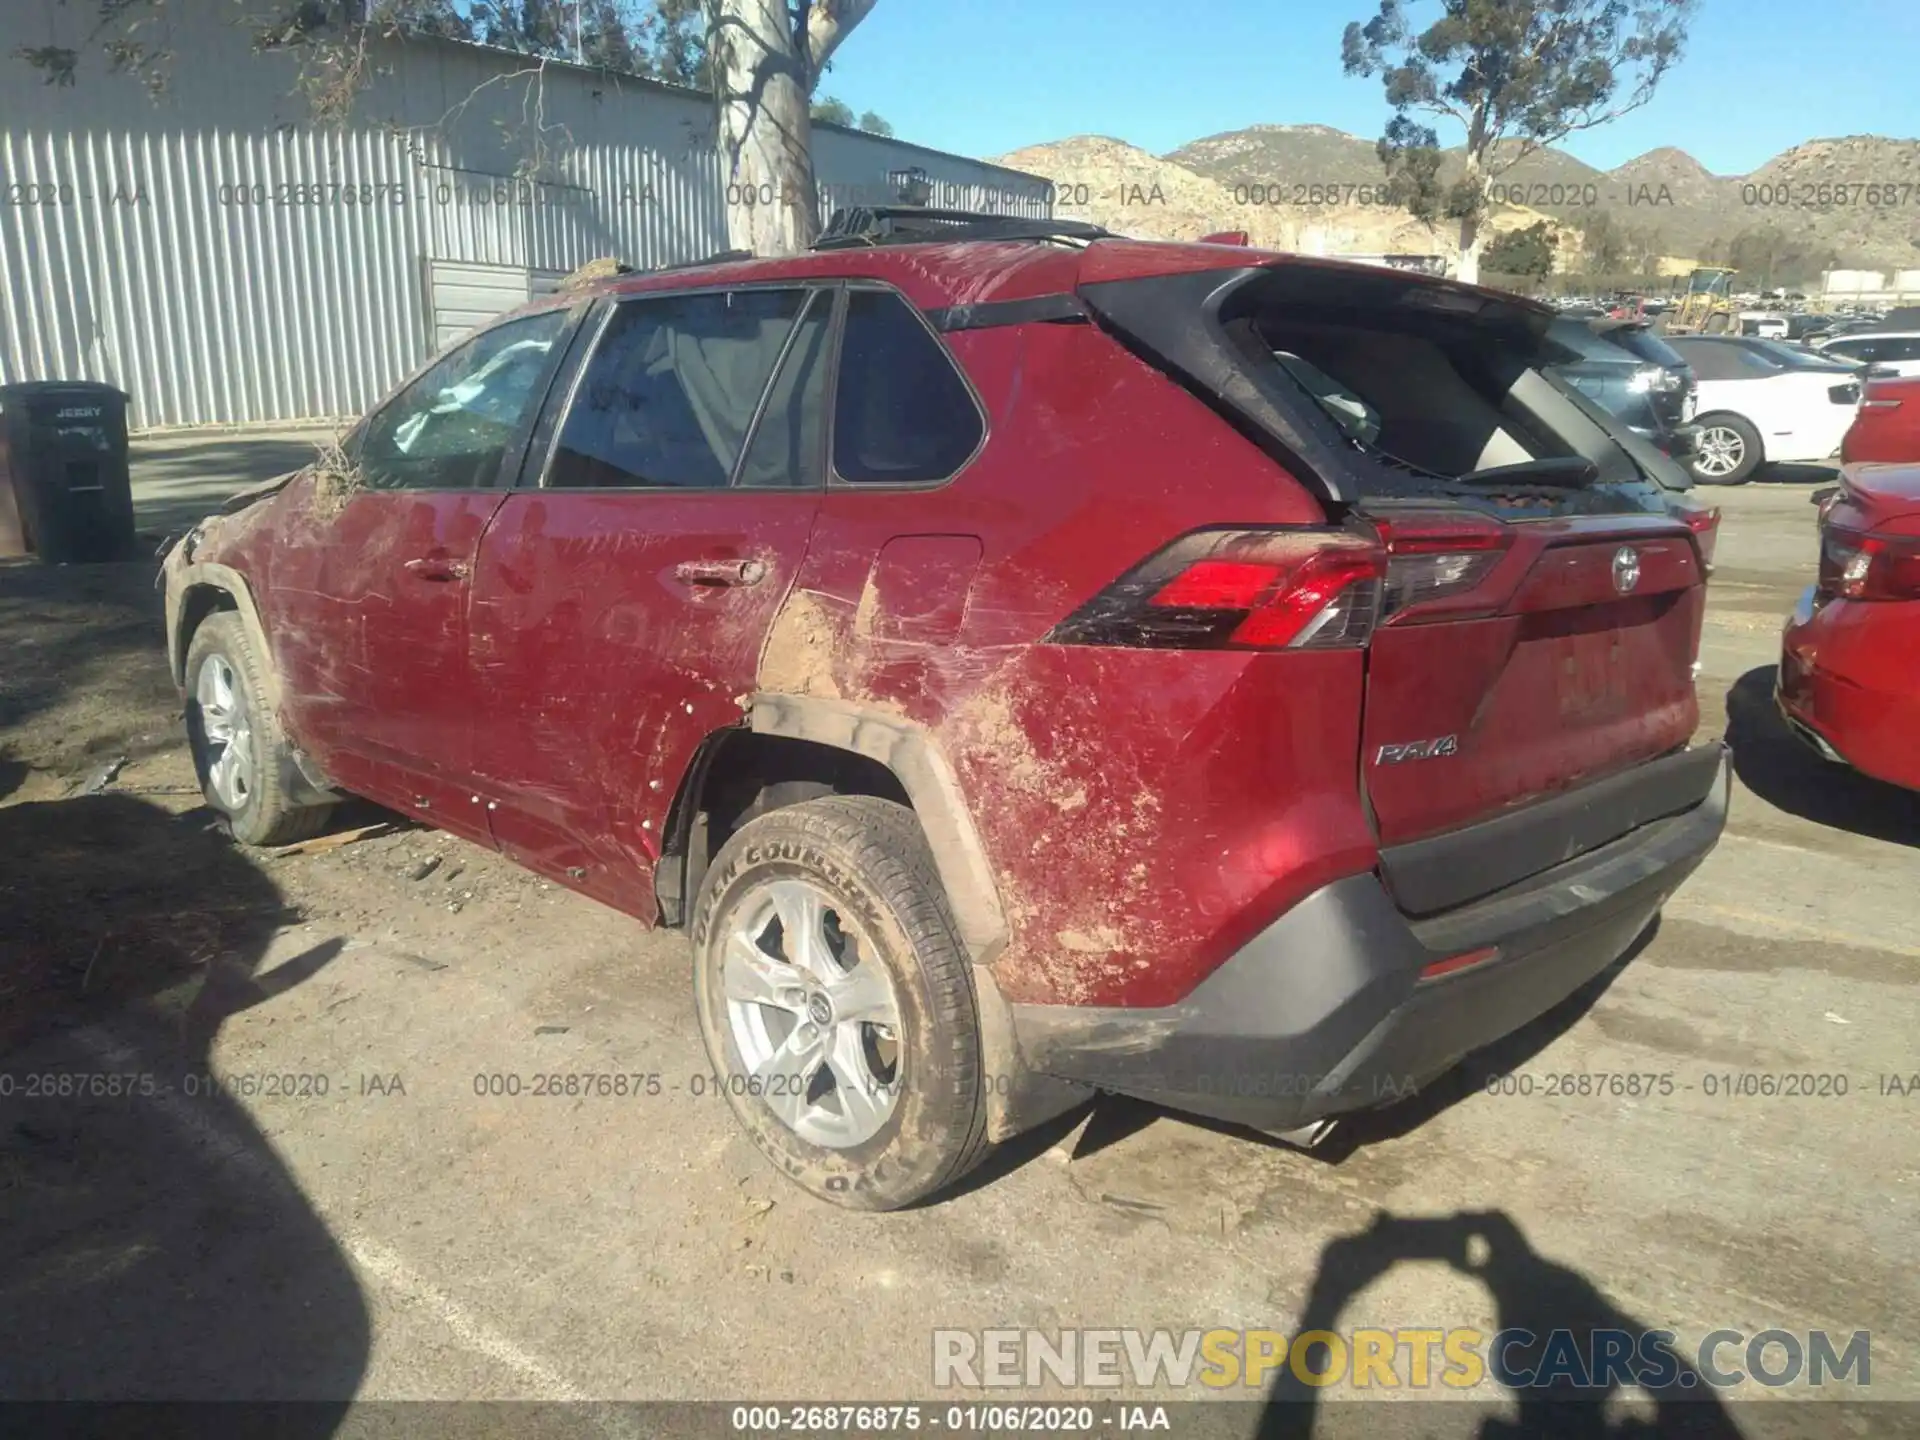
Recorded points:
(297, 1189)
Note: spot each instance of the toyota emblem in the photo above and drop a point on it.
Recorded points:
(1626, 569)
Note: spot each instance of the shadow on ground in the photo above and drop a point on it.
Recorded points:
(179, 479)
(1783, 771)
(1781, 473)
(154, 1246)
(1569, 1323)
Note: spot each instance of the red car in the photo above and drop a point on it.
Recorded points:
(1851, 652)
(1025, 661)
(1887, 427)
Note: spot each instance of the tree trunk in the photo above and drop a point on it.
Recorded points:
(766, 67)
(766, 135)
(1470, 248)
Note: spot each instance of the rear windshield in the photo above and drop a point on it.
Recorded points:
(1432, 385)
(1639, 341)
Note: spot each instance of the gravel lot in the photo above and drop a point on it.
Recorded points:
(402, 1237)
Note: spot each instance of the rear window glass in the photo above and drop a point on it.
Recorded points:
(1425, 392)
(902, 415)
(1724, 360)
(1639, 341)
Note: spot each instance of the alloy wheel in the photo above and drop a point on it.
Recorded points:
(1720, 451)
(813, 1014)
(228, 729)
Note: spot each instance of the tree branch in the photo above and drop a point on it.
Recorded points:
(827, 24)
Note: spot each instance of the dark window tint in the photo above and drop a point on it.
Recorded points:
(1854, 349)
(902, 414)
(1641, 342)
(1905, 348)
(788, 449)
(671, 390)
(450, 429)
(1723, 360)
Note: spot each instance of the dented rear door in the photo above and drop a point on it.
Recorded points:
(625, 592)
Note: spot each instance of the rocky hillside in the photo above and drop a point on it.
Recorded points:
(1819, 212)
(1132, 192)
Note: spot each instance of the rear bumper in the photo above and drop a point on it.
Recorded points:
(1844, 684)
(1326, 1010)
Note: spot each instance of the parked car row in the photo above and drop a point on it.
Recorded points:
(1723, 405)
(909, 619)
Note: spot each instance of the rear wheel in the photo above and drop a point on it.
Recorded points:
(837, 1003)
(238, 747)
(1727, 451)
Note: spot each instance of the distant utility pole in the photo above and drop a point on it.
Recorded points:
(576, 33)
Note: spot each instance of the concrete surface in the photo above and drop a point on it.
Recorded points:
(403, 1236)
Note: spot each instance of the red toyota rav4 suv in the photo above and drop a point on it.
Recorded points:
(1026, 661)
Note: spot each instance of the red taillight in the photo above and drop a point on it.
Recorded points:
(1858, 566)
(1435, 561)
(1704, 522)
(1239, 590)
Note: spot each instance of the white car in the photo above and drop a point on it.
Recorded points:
(1897, 350)
(1762, 401)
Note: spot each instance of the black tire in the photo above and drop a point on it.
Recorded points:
(870, 858)
(1753, 452)
(263, 816)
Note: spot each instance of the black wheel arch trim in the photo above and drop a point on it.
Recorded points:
(915, 758)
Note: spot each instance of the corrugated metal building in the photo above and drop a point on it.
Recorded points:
(226, 262)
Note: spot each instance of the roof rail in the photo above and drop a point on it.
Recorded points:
(864, 225)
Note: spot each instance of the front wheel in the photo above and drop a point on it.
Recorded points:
(1727, 451)
(239, 751)
(837, 1003)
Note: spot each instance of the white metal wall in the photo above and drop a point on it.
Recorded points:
(225, 262)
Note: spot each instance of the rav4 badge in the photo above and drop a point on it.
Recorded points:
(1420, 750)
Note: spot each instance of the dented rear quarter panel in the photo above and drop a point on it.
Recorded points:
(1143, 812)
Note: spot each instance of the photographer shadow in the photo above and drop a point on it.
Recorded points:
(155, 1246)
(1530, 1293)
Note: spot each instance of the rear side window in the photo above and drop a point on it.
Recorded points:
(672, 390)
(902, 414)
(1717, 360)
(788, 450)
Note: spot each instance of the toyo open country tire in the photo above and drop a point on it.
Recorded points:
(239, 750)
(837, 1002)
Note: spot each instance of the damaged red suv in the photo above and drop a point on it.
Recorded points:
(1025, 661)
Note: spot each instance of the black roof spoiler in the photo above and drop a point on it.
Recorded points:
(864, 225)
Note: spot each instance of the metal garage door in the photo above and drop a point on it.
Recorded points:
(465, 295)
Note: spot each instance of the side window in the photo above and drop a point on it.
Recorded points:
(451, 428)
(1854, 349)
(1706, 360)
(1907, 348)
(788, 449)
(671, 389)
(902, 414)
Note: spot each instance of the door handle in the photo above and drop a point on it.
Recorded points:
(437, 567)
(720, 572)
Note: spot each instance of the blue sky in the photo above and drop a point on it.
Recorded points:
(982, 77)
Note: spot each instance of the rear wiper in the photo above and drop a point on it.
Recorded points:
(1570, 471)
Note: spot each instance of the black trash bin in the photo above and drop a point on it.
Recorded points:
(63, 455)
